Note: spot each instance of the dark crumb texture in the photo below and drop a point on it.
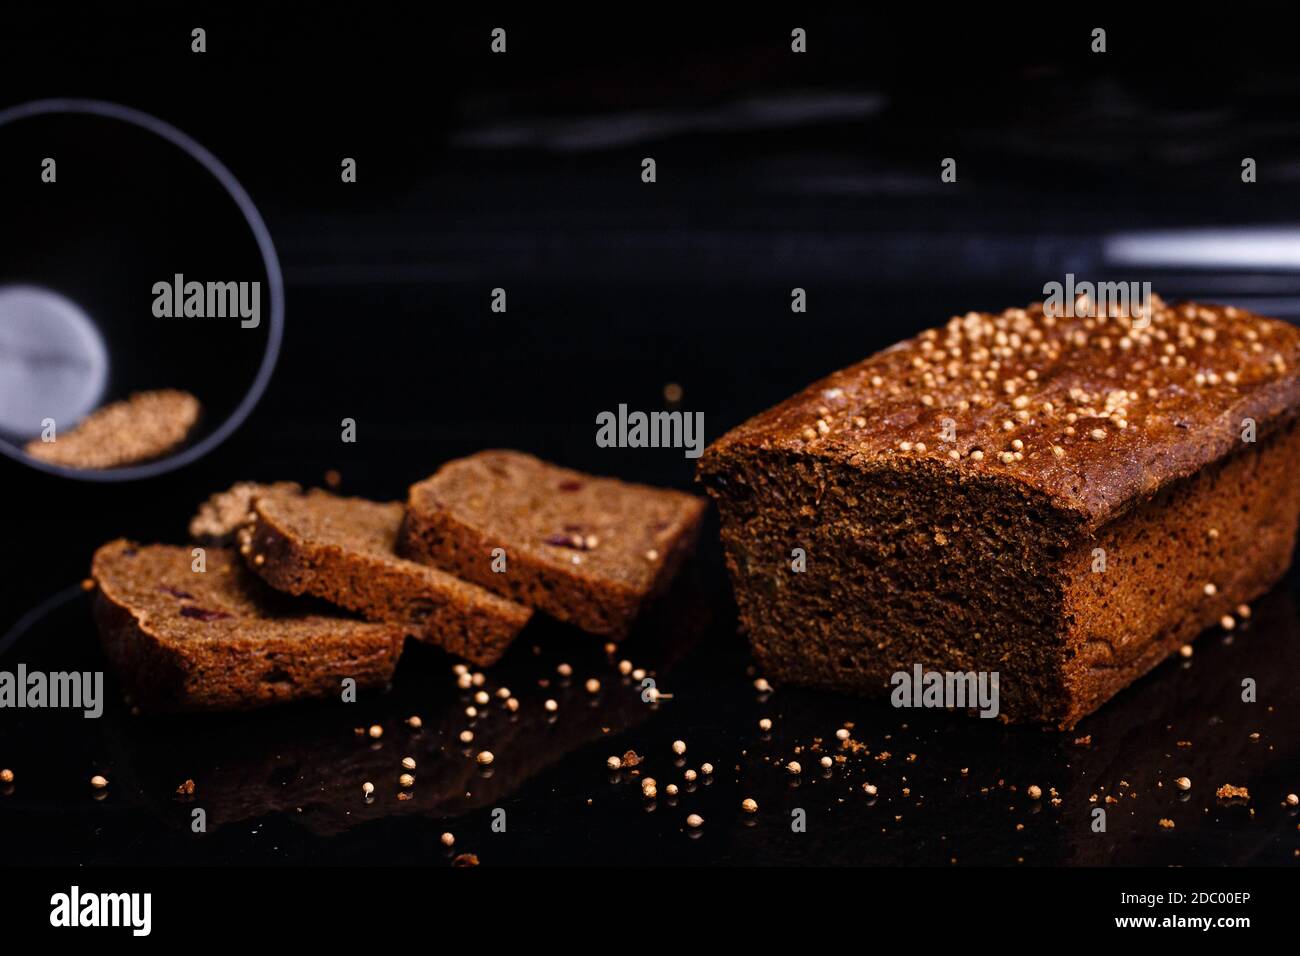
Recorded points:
(146, 426)
(343, 550)
(219, 519)
(590, 551)
(219, 639)
(1062, 500)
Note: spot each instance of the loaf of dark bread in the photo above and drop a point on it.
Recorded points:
(342, 550)
(143, 427)
(219, 639)
(1061, 500)
(590, 551)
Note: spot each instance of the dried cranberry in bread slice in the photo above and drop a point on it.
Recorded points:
(586, 550)
(342, 550)
(146, 426)
(219, 639)
(220, 517)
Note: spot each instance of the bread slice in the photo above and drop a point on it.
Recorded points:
(590, 551)
(342, 550)
(219, 639)
(220, 517)
(1061, 499)
(145, 426)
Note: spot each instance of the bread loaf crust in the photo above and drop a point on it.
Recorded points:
(950, 493)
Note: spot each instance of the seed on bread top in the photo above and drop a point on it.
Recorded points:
(1091, 410)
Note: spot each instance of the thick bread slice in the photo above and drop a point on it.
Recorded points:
(219, 639)
(586, 550)
(343, 550)
(145, 426)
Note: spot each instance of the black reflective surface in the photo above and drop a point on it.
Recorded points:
(475, 175)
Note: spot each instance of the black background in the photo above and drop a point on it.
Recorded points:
(616, 288)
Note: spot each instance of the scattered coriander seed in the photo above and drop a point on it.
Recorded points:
(1035, 792)
(471, 711)
(1183, 783)
(415, 723)
(592, 685)
(614, 763)
(689, 776)
(376, 731)
(367, 788)
(512, 705)
(464, 682)
(406, 780)
(638, 674)
(671, 790)
(610, 648)
(6, 775)
(1292, 800)
(1186, 650)
(762, 686)
(625, 667)
(827, 763)
(650, 792)
(466, 736)
(1210, 590)
(749, 805)
(447, 839)
(706, 769)
(98, 782)
(765, 724)
(679, 747)
(551, 706)
(408, 763)
(651, 554)
(793, 767)
(564, 670)
(460, 669)
(481, 698)
(503, 693)
(649, 783)
(477, 678)
(1227, 622)
(1243, 611)
(485, 757)
(695, 821)
(870, 789)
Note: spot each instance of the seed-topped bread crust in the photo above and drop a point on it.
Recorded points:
(219, 639)
(1027, 492)
(141, 428)
(343, 550)
(591, 551)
